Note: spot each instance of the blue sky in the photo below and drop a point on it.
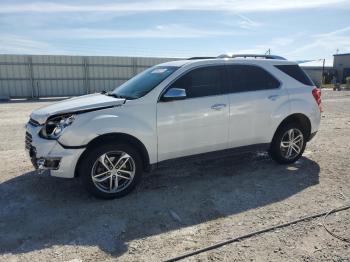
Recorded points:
(298, 29)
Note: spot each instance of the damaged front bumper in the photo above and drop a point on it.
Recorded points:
(49, 155)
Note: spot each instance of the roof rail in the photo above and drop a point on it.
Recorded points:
(252, 56)
(201, 57)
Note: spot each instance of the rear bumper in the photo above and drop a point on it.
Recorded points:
(50, 155)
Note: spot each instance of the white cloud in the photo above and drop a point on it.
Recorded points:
(13, 44)
(246, 22)
(334, 33)
(16, 44)
(326, 43)
(318, 45)
(159, 31)
(158, 5)
(276, 45)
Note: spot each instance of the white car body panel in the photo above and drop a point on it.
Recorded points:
(85, 102)
(51, 149)
(302, 102)
(192, 126)
(253, 114)
(179, 128)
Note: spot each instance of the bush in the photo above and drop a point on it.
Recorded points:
(347, 82)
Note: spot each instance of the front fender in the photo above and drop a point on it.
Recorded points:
(91, 125)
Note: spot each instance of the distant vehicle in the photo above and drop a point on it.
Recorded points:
(174, 110)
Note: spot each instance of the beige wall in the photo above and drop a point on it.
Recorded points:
(315, 74)
(51, 76)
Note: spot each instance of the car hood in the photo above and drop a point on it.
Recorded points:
(77, 104)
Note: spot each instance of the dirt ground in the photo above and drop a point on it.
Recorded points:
(183, 207)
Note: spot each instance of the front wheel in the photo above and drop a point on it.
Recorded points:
(110, 170)
(288, 144)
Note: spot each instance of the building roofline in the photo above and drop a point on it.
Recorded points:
(341, 54)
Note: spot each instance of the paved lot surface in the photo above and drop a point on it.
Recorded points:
(183, 207)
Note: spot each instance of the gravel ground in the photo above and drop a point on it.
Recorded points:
(182, 207)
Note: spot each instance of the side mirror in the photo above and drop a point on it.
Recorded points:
(174, 94)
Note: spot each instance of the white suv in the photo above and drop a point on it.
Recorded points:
(173, 110)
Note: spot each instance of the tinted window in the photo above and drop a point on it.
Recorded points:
(297, 73)
(250, 78)
(144, 82)
(205, 81)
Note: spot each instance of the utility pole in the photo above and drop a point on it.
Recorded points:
(324, 61)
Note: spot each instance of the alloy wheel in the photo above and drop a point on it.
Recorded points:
(292, 143)
(114, 171)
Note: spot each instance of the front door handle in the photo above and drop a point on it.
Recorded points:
(218, 106)
(273, 97)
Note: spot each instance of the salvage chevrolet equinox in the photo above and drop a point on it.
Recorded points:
(173, 110)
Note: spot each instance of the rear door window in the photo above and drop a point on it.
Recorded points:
(245, 78)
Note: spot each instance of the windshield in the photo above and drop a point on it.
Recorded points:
(144, 82)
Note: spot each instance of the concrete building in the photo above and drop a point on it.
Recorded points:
(342, 66)
(315, 69)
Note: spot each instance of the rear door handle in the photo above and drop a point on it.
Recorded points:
(273, 97)
(218, 106)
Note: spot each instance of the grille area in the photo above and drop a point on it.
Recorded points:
(33, 122)
(28, 141)
(31, 149)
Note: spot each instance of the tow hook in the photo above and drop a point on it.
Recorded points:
(47, 164)
(40, 163)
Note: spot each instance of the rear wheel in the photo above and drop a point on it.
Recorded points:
(110, 170)
(288, 143)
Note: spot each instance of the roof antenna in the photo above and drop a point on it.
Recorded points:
(268, 52)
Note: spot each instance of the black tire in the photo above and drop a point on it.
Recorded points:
(87, 163)
(277, 153)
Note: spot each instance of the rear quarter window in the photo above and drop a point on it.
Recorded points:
(297, 73)
(245, 78)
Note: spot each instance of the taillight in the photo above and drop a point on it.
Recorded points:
(316, 92)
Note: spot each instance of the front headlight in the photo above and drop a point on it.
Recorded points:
(55, 126)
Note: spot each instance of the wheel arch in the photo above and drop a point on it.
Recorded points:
(299, 118)
(116, 137)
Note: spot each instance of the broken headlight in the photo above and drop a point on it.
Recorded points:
(55, 126)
